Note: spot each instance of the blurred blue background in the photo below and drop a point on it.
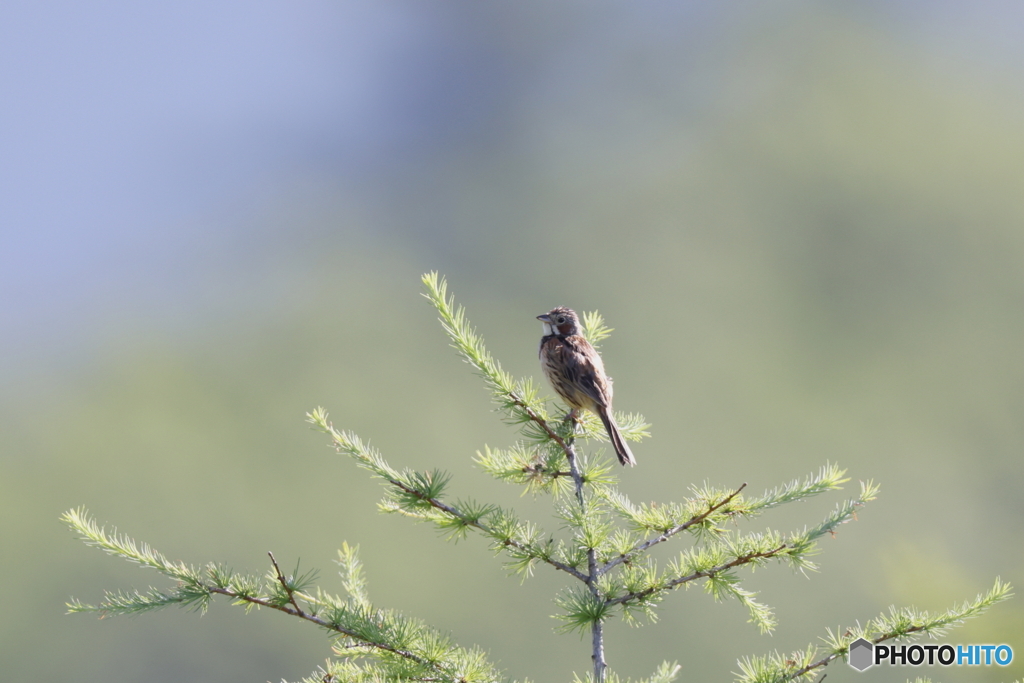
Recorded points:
(803, 219)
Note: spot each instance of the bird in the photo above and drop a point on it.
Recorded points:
(575, 370)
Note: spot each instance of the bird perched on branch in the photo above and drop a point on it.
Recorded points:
(576, 372)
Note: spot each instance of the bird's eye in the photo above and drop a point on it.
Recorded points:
(561, 319)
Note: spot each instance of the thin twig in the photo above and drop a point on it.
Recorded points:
(741, 560)
(475, 524)
(284, 584)
(532, 414)
(824, 661)
(292, 610)
(539, 469)
(696, 519)
(454, 512)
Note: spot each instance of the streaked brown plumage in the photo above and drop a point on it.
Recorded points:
(576, 372)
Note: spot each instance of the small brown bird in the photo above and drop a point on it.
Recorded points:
(575, 370)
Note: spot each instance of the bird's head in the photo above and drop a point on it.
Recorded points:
(561, 321)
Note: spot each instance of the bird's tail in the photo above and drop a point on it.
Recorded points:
(621, 449)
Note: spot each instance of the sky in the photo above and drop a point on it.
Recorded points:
(133, 135)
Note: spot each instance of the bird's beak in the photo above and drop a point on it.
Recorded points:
(544, 318)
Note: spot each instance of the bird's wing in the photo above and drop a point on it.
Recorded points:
(583, 367)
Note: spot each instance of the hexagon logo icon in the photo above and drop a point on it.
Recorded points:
(861, 654)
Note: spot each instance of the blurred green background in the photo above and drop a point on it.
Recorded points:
(804, 221)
